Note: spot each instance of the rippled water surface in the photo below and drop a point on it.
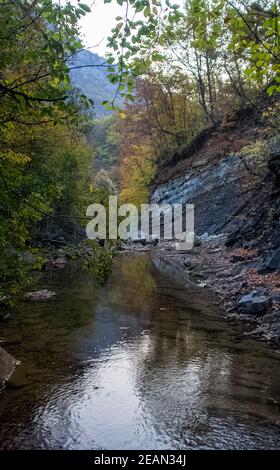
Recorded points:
(143, 362)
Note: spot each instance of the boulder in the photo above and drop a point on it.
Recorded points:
(43, 294)
(271, 262)
(197, 241)
(7, 366)
(255, 303)
(191, 239)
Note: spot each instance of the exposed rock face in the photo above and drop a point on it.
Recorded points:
(271, 263)
(227, 176)
(231, 177)
(7, 365)
(216, 189)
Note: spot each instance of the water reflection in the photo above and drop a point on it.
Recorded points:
(143, 362)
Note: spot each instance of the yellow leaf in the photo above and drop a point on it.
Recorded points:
(16, 157)
(122, 114)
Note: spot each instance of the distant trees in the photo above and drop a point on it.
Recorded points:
(136, 156)
(103, 137)
(171, 112)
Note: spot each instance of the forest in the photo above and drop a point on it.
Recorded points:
(178, 71)
(183, 107)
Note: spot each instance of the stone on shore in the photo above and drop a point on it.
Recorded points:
(255, 303)
(39, 295)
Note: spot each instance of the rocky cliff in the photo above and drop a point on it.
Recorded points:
(218, 173)
(230, 173)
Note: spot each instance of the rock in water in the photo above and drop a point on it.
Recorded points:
(43, 294)
(254, 303)
(7, 366)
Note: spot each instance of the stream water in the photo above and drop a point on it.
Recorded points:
(144, 362)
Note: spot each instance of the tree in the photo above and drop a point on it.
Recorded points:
(209, 32)
(43, 152)
(136, 157)
(37, 38)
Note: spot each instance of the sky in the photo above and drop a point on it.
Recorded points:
(96, 26)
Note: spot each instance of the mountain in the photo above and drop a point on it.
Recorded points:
(92, 81)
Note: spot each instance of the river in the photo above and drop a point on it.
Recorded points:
(144, 362)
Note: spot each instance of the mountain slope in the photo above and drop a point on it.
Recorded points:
(92, 81)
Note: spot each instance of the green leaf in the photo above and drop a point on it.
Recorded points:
(272, 89)
(79, 11)
(147, 12)
(85, 7)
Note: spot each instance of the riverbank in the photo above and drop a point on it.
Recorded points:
(231, 175)
(231, 273)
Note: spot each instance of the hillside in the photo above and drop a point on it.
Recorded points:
(92, 81)
(231, 175)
